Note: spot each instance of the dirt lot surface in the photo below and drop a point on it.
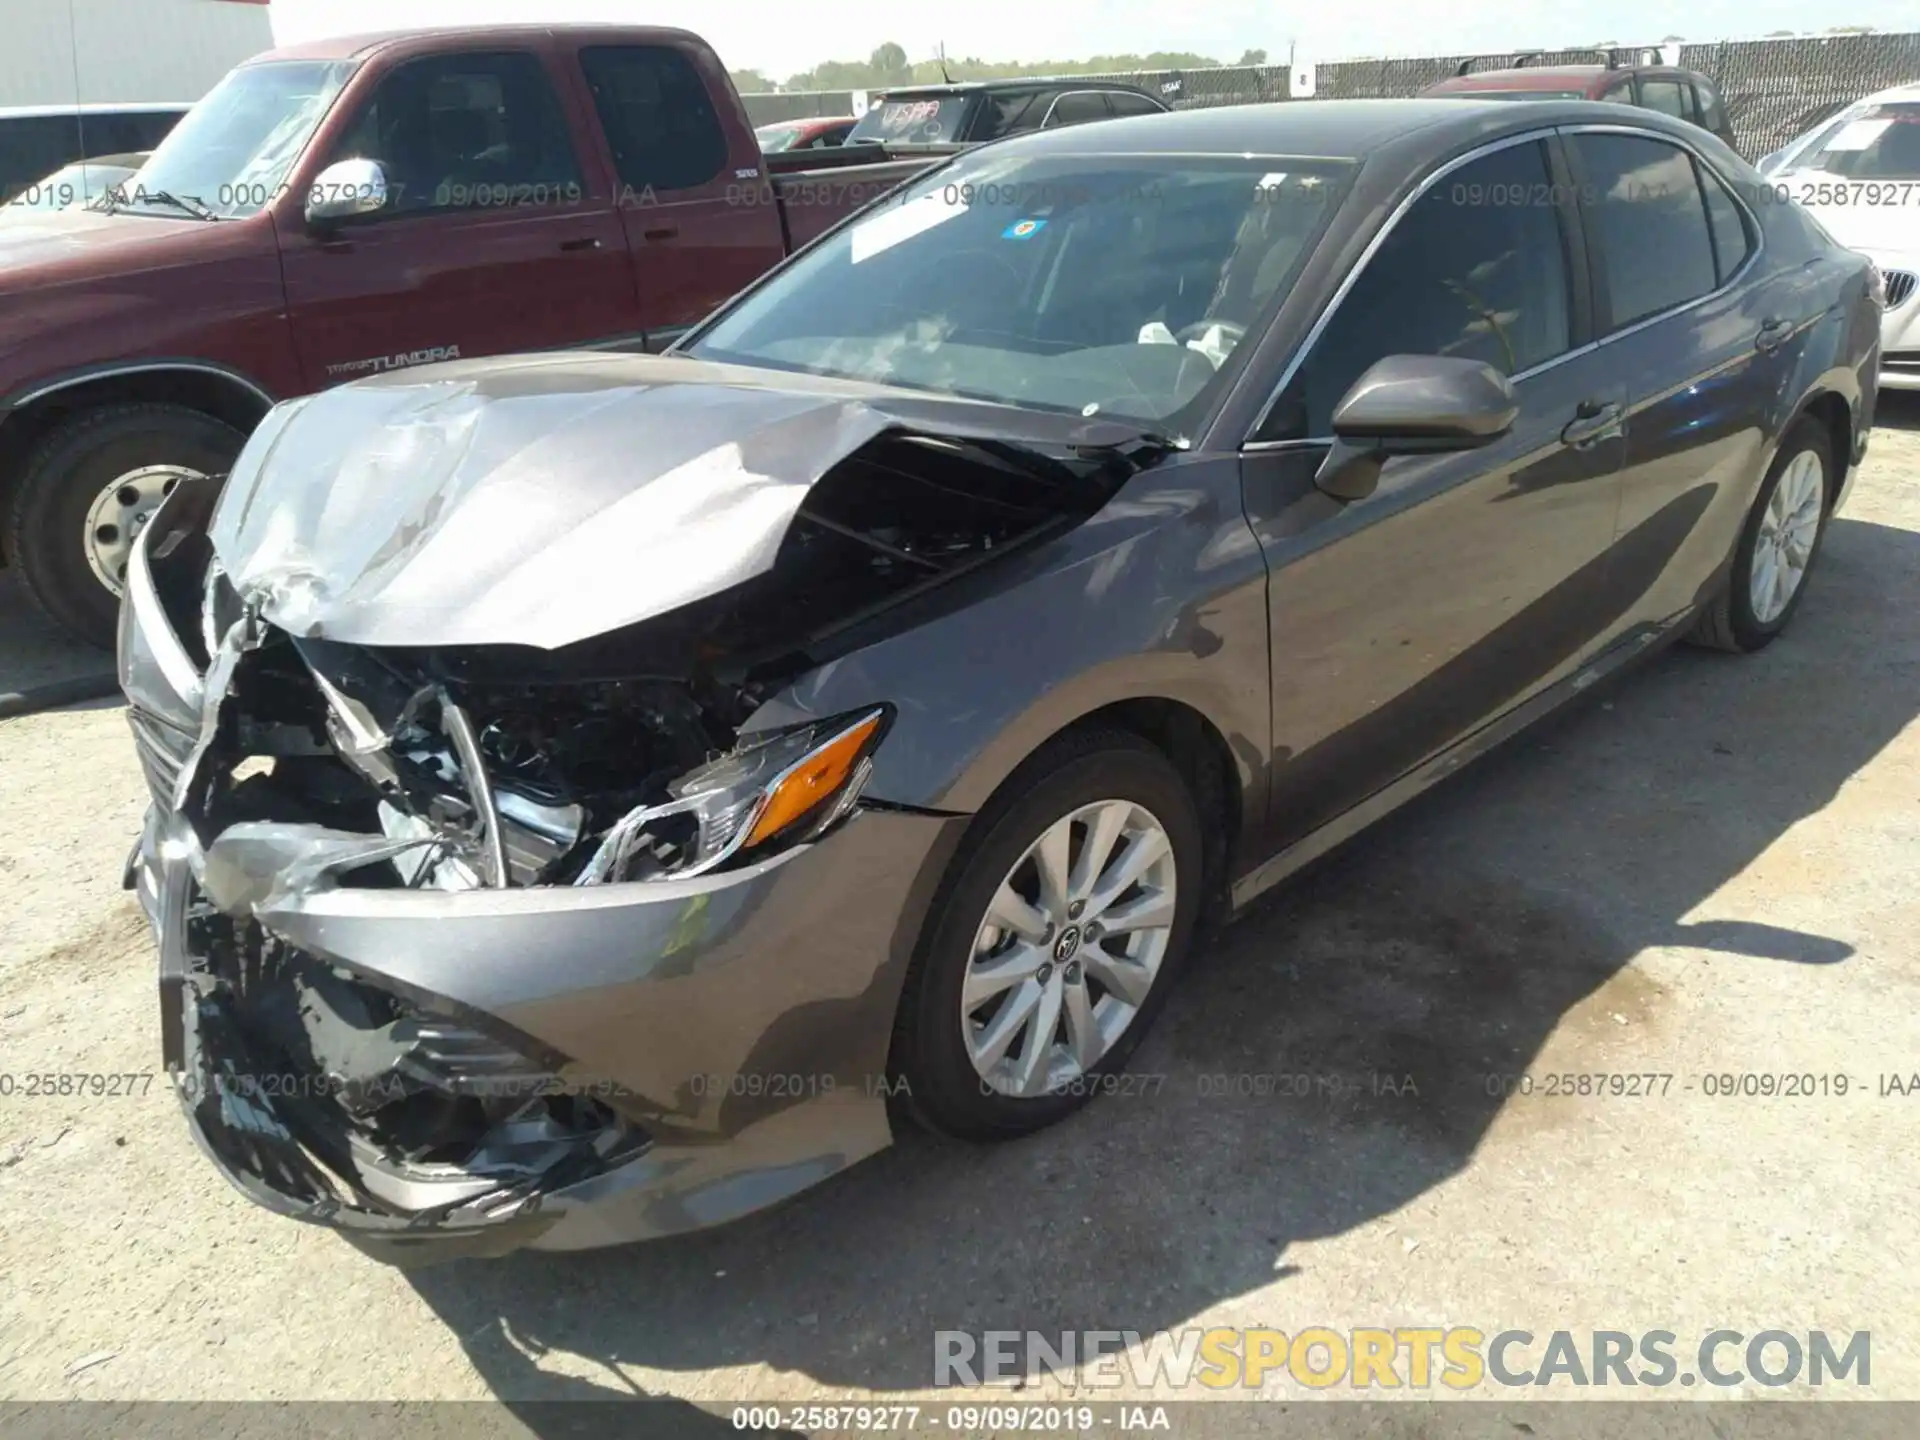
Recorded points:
(1709, 870)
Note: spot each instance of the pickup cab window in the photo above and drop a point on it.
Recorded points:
(658, 115)
(229, 157)
(466, 131)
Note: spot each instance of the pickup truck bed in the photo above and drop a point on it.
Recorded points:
(453, 193)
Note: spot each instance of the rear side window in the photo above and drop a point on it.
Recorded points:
(1645, 210)
(1128, 104)
(1731, 242)
(1713, 114)
(1077, 107)
(658, 115)
(1669, 97)
(1477, 268)
(467, 131)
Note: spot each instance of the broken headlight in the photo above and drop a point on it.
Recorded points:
(785, 789)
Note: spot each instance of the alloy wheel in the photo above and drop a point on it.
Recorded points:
(1783, 546)
(1069, 949)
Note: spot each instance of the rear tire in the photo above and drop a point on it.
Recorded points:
(1764, 587)
(65, 528)
(1105, 792)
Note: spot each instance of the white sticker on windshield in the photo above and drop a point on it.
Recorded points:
(1859, 135)
(1270, 180)
(903, 222)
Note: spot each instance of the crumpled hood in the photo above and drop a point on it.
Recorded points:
(1886, 232)
(542, 500)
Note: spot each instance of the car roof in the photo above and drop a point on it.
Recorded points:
(1334, 129)
(358, 47)
(1031, 82)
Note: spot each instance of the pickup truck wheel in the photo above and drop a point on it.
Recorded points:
(88, 488)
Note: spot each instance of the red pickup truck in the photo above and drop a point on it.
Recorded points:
(363, 204)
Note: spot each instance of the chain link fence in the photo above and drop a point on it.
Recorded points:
(1773, 89)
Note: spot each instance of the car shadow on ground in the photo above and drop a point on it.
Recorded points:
(1396, 985)
(34, 652)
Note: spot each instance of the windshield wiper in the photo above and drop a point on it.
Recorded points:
(190, 204)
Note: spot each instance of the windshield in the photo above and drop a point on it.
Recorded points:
(1882, 143)
(775, 138)
(928, 120)
(232, 152)
(1099, 285)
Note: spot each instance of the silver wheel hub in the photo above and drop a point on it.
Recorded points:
(1069, 948)
(1783, 548)
(120, 512)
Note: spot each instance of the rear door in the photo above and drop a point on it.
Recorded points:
(494, 237)
(1465, 583)
(1707, 338)
(699, 217)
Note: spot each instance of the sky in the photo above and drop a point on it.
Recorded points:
(781, 37)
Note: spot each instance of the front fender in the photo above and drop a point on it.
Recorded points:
(1161, 595)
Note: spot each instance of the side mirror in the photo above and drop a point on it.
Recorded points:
(1413, 405)
(345, 189)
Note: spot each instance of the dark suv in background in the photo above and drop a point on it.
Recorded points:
(1623, 78)
(975, 112)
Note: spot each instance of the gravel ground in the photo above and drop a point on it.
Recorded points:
(1706, 869)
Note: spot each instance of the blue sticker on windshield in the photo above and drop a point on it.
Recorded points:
(1023, 229)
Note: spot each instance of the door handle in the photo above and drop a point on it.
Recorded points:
(1594, 421)
(585, 242)
(664, 232)
(1773, 334)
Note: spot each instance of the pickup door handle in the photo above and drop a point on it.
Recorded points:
(1594, 421)
(661, 232)
(585, 242)
(1773, 334)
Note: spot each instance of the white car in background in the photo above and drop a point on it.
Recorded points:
(1858, 173)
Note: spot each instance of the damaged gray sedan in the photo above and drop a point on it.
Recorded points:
(595, 797)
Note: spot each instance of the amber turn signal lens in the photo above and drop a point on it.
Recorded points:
(813, 781)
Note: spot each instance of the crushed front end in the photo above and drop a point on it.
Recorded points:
(473, 944)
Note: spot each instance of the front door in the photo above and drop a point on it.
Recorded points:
(1465, 583)
(492, 239)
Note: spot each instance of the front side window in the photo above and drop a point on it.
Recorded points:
(1646, 213)
(466, 131)
(1477, 268)
(1011, 111)
(1095, 285)
(232, 152)
(658, 115)
(774, 139)
(1125, 103)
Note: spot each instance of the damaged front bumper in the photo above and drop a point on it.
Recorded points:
(438, 1072)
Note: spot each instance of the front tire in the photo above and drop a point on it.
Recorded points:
(1056, 941)
(1777, 547)
(89, 486)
